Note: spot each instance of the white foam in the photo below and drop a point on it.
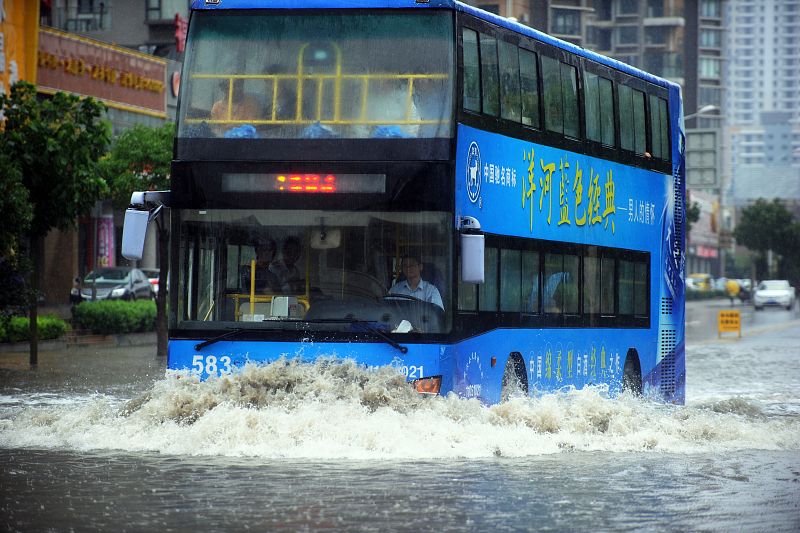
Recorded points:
(341, 410)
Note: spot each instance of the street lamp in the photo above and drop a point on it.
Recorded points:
(706, 109)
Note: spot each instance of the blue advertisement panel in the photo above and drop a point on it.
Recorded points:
(519, 188)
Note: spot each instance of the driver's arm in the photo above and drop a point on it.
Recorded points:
(436, 298)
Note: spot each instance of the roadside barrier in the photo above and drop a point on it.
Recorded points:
(729, 321)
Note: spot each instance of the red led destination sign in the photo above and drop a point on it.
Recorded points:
(307, 183)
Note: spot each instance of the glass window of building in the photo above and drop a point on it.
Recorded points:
(566, 22)
(627, 7)
(628, 35)
(710, 8)
(709, 67)
(710, 38)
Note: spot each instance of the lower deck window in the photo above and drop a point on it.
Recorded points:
(601, 286)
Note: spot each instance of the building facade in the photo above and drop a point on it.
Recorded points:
(124, 53)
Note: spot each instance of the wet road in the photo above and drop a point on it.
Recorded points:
(701, 318)
(103, 441)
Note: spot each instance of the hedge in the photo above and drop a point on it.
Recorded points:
(705, 295)
(115, 316)
(18, 329)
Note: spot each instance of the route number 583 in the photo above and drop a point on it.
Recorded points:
(211, 364)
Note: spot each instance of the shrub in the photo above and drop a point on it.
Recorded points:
(18, 329)
(115, 316)
(705, 295)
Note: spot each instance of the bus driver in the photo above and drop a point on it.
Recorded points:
(414, 285)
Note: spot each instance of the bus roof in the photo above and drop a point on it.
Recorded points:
(447, 4)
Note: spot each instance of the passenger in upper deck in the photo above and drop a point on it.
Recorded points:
(389, 114)
(241, 106)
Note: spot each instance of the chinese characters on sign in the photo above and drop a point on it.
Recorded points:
(557, 364)
(596, 207)
(641, 212)
(83, 66)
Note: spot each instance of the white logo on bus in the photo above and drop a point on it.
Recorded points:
(473, 172)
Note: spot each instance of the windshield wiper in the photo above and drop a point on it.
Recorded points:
(208, 342)
(377, 332)
(234, 332)
(368, 326)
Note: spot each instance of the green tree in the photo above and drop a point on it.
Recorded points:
(17, 213)
(766, 226)
(139, 160)
(55, 143)
(14, 204)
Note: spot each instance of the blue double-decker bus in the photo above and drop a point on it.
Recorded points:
(536, 187)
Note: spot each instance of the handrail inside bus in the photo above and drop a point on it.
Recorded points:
(319, 112)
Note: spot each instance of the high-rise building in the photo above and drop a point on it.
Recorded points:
(763, 101)
(648, 34)
(147, 26)
(565, 19)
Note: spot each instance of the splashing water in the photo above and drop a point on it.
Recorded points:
(334, 409)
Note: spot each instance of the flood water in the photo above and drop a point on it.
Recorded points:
(104, 441)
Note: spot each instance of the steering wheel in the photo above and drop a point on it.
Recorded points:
(407, 297)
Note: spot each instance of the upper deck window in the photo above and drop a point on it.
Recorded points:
(313, 75)
(560, 97)
(599, 108)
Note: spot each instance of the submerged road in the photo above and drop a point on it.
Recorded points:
(99, 439)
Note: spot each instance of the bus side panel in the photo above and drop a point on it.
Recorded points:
(522, 189)
(555, 359)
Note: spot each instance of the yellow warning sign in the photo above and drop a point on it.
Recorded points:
(729, 322)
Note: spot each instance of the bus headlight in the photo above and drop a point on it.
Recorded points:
(430, 385)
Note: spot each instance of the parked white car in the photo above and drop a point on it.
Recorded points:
(774, 292)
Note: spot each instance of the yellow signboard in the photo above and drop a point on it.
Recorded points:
(729, 322)
(19, 30)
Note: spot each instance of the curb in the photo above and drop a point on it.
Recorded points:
(106, 341)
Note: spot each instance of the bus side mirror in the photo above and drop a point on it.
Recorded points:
(145, 206)
(133, 233)
(472, 260)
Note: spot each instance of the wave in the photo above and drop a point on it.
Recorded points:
(334, 409)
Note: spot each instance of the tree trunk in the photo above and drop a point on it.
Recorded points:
(36, 246)
(161, 301)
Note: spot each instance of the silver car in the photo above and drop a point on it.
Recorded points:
(116, 283)
(775, 292)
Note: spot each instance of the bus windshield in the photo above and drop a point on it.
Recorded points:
(320, 75)
(311, 269)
